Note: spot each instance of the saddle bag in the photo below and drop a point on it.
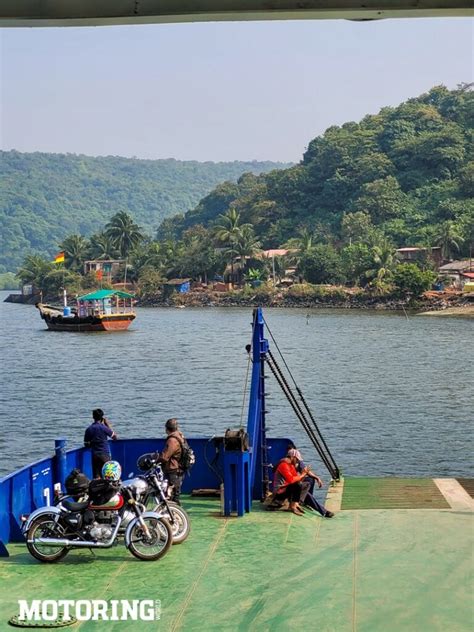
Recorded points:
(101, 491)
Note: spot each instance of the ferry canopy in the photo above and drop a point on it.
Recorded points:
(100, 295)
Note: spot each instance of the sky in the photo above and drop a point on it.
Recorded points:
(216, 91)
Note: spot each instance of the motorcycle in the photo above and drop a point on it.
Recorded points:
(51, 532)
(151, 489)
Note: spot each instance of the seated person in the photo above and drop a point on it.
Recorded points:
(311, 478)
(287, 483)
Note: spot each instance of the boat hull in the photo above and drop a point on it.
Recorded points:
(57, 321)
(90, 323)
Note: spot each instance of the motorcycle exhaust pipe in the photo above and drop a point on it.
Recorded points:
(72, 543)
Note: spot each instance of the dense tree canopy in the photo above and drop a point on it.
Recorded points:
(404, 171)
(403, 177)
(45, 197)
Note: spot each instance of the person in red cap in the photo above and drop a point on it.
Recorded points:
(307, 498)
(288, 483)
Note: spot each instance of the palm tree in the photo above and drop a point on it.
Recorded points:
(102, 247)
(34, 270)
(228, 231)
(449, 238)
(124, 233)
(383, 262)
(245, 246)
(75, 249)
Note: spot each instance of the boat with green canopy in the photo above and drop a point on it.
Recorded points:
(101, 310)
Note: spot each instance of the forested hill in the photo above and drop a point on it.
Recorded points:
(408, 171)
(44, 197)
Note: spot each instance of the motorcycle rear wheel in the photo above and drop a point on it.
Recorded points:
(46, 526)
(153, 548)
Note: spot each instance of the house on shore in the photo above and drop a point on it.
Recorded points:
(457, 273)
(181, 286)
(417, 255)
(105, 269)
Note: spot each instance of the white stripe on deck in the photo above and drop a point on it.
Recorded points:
(334, 496)
(455, 494)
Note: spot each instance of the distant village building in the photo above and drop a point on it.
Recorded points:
(103, 268)
(181, 286)
(412, 254)
(457, 273)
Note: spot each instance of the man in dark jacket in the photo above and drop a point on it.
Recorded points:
(170, 458)
(96, 437)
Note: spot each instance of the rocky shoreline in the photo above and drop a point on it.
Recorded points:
(357, 301)
(448, 305)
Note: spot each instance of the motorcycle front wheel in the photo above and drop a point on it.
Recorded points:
(154, 545)
(45, 527)
(179, 521)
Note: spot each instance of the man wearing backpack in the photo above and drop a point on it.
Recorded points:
(175, 457)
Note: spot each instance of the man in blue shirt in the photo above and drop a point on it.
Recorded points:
(96, 437)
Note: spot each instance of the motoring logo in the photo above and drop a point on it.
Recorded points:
(48, 610)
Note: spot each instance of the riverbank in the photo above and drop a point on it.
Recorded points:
(311, 297)
(324, 298)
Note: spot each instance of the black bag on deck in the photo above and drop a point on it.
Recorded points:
(76, 483)
(101, 491)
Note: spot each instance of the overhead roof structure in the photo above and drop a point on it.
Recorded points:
(108, 12)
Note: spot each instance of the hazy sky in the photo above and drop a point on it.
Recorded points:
(220, 91)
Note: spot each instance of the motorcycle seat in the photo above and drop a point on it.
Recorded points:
(72, 506)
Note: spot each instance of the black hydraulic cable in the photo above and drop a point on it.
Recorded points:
(300, 415)
(298, 390)
(317, 428)
(289, 394)
(304, 422)
(330, 457)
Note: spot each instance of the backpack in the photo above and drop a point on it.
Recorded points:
(187, 458)
(76, 483)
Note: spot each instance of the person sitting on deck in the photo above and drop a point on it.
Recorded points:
(170, 458)
(311, 478)
(288, 483)
(96, 437)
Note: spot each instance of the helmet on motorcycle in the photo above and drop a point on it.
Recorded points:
(146, 462)
(111, 471)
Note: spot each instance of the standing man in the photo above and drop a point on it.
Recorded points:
(170, 458)
(96, 437)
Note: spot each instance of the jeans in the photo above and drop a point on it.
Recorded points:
(175, 478)
(307, 497)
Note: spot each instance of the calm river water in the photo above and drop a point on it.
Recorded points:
(392, 396)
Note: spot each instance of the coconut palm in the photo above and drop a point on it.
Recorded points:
(449, 238)
(76, 249)
(383, 262)
(124, 233)
(102, 247)
(34, 270)
(229, 231)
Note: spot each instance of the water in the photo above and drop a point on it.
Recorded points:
(392, 397)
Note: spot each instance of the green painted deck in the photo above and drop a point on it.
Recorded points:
(365, 570)
(392, 493)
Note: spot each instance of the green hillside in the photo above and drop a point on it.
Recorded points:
(44, 197)
(406, 172)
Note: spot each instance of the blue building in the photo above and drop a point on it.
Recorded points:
(178, 285)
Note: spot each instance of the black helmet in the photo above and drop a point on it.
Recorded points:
(146, 462)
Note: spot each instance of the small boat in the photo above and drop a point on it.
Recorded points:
(103, 310)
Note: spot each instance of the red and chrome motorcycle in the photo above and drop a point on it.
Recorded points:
(94, 523)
